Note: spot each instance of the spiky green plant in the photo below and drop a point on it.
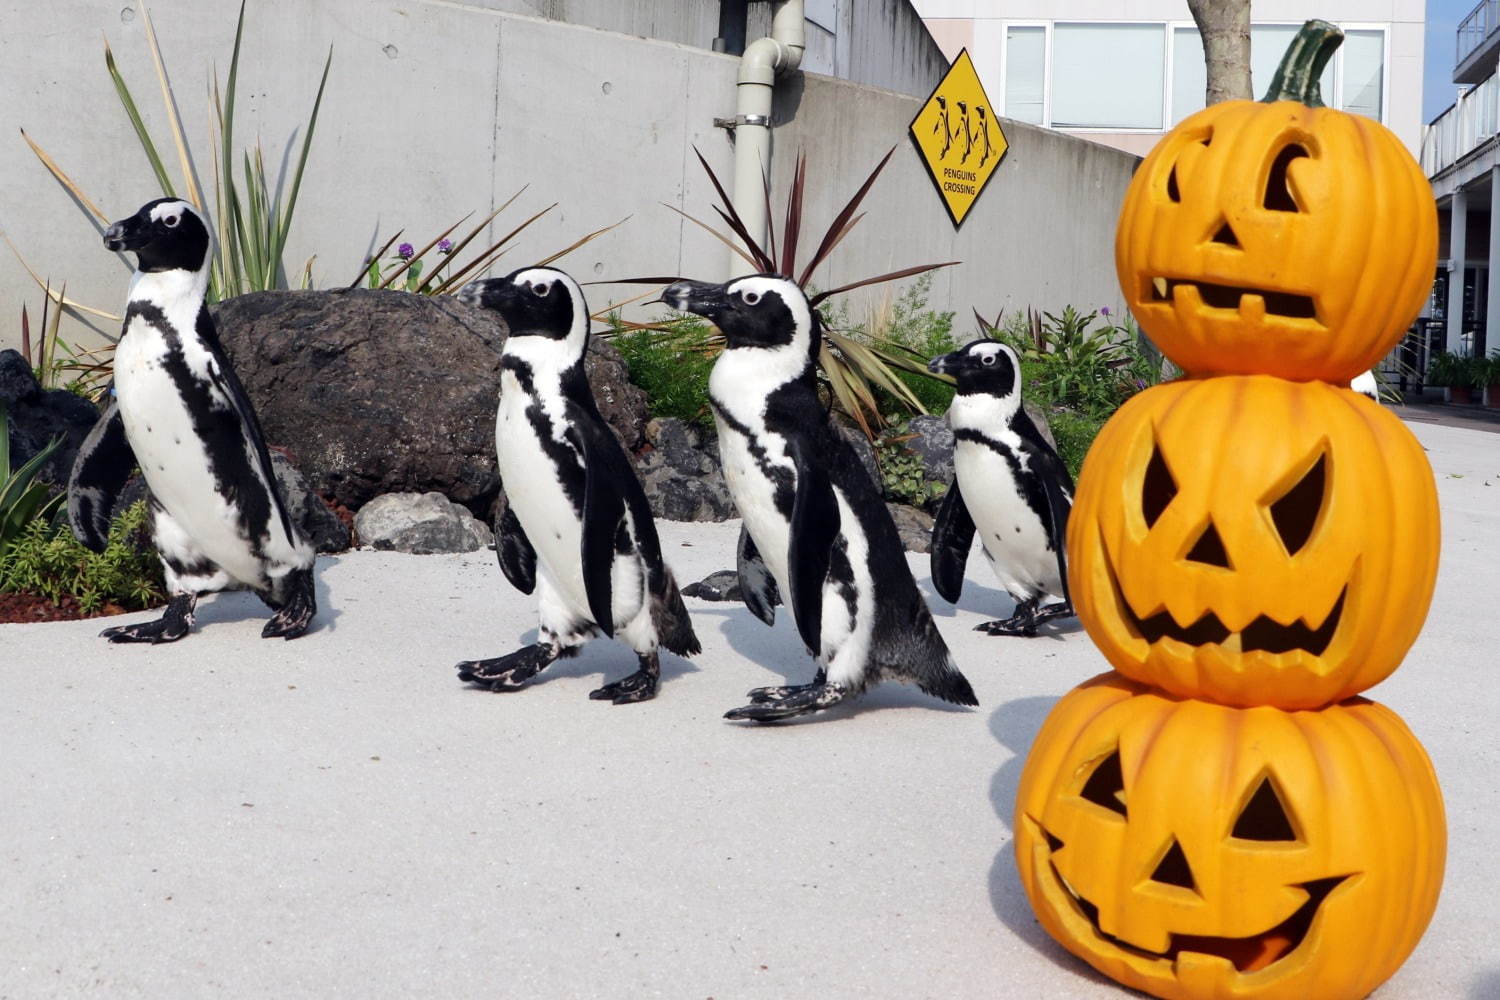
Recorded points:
(252, 217)
(23, 500)
(48, 561)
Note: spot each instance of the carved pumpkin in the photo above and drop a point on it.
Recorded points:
(1279, 237)
(1193, 850)
(1254, 541)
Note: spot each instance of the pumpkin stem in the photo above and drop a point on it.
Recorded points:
(1297, 78)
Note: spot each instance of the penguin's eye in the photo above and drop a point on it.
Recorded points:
(988, 359)
(540, 289)
(750, 298)
(171, 221)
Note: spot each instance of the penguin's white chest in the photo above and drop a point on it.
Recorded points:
(1015, 539)
(172, 456)
(755, 496)
(534, 488)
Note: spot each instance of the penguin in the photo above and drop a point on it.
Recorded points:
(1009, 485)
(218, 519)
(576, 527)
(815, 526)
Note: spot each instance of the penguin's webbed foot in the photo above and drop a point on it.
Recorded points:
(296, 613)
(1062, 609)
(175, 623)
(639, 686)
(780, 693)
(508, 672)
(799, 700)
(1022, 623)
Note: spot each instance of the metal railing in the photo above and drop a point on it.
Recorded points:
(1472, 121)
(1474, 29)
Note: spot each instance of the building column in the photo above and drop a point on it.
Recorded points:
(1458, 238)
(1492, 302)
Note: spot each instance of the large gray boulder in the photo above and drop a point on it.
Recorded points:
(681, 475)
(36, 416)
(375, 391)
(419, 523)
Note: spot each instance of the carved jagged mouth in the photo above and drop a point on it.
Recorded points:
(1247, 954)
(1281, 304)
(1263, 633)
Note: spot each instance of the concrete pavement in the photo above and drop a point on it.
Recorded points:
(339, 817)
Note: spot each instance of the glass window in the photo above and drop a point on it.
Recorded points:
(1364, 64)
(1268, 44)
(1025, 56)
(1189, 73)
(1090, 88)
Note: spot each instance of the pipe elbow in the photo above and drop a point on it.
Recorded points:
(762, 60)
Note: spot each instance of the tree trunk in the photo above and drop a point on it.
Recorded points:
(1224, 26)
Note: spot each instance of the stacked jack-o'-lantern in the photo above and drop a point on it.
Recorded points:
(1251, 546)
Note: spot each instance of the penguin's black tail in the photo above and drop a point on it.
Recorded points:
(949, 685)
(915, 651)
(674, 629)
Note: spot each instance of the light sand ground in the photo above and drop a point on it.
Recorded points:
(339, 817)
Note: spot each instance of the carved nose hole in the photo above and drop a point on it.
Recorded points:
(1209, 549)
(1264, 817)
(1226, 236)
(1279, 197)
(1174, 870)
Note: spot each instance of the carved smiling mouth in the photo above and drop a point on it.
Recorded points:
(1243, 300)
(1247, 954)
(1263, 633)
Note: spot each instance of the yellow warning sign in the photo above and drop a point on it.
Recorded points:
(959, 137)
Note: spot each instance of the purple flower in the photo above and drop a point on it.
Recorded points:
(445, 246)
(1104, 311)
(405, 251)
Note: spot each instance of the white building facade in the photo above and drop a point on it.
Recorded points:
(1125, 72)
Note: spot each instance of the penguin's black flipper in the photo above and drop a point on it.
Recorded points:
(1053, 472)
(100, 471)
(513, 549)
(952, 537)
(756, 582)
(815, 527)
(603, 512)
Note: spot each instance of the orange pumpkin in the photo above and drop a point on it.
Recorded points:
(1254, 541)
(1279, 237)
(1193, 850)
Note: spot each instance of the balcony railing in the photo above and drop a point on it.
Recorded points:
(1470, 123)
(1474, 29)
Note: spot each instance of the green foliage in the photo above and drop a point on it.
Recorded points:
(902, 473)
(905, 323)
(1455, 370)
(1488, 370)
(46, 560)
(23, 500)
(671, 361)
(1074, 432)
(253, 212)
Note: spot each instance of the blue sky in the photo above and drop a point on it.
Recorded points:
(1437, 65)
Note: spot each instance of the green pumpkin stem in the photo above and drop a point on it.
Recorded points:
(1297, 78)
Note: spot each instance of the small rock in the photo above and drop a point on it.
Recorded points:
(679, 496)
(420, 523)
(679, 445)
(863, 449)
(721, 586)
(16, 379)
(914, 527)
(931, 440)
(321, 525)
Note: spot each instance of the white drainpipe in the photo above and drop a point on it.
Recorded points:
(764, 60)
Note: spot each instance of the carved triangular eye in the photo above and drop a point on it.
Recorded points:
(1264, 817)
(1279, 196)
(1106, 786)
(1158, 489)
(1295, 514)
(1174, 869)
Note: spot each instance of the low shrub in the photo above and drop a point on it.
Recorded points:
(670, 361)
(46, 560)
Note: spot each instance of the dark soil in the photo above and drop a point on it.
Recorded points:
(33, 608)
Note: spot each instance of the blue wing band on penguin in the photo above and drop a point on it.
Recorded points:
(952, 538)
(100, 471)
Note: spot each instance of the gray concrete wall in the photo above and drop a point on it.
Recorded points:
(436, 109)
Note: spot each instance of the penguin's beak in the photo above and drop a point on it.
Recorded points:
(946, 364)
(699, 297)
(486, 293)
(125, 235)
